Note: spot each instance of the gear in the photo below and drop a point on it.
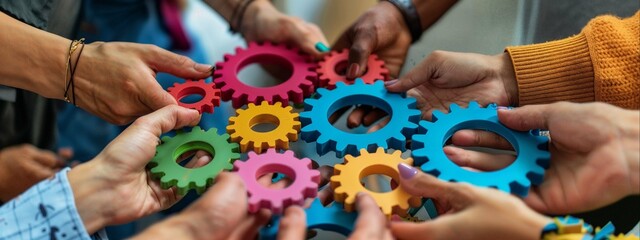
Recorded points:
(345, 181)
(527, 169)
(304, 185)
(329, 218)
(330, 69)
(299, 85)
(210, 95)
(316, 127)
(164, 166)
(240, 127)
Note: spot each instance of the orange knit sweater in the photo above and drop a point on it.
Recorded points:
(601, 63)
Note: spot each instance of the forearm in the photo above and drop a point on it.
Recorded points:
(176, 227)
(226, 8)
(91, 203)
(430, 11)
(32, 59)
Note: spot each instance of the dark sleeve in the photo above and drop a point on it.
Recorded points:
(33, 12)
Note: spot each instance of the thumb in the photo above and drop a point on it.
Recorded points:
(359, 52)
(417, 183)
(166, 119)
(418, 75)
(165, 61)
(526, 118)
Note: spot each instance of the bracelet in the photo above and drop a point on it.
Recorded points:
(238, 15)
(411, 17)
(71, 70)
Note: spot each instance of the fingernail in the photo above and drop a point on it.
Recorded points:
(504, 108)
(205, 68)
(204, 159)
(353, 71)
(321, 47)
(390, 82)
(406, 171)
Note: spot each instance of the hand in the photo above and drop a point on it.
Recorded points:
(448, 77)
(115, 187)
(371, 223)
(263, 22)
(116, 81)
(381, 30)
(23, 166)
(594, 147)
(467, 212)
(221, 213)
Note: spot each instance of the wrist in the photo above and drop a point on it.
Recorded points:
(176, 227)
(92, 198)
(410, 17)
(251, 17)
(632, 144)
(508, 76)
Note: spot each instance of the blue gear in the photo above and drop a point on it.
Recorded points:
(528, 168)
(316, 126)
(331, 218)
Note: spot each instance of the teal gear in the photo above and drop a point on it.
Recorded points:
(329, 218)
(164, 166)
(528, 168)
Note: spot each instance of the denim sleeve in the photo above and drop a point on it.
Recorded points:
(45, 211)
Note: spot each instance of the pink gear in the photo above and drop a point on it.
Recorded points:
(210, 94)
(304, 185)
(295, 89)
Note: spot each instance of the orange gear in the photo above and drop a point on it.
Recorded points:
(240, 127)
(346, 181)
(331, 67)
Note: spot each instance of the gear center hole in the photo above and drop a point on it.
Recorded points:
(359, 118)
(280, 177)
(194, 154)
(479, 150)
(191, 95)
(264, 123)
(380, 179)
(265, 71)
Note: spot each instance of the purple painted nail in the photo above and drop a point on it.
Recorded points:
(406, 171)
(391, 82)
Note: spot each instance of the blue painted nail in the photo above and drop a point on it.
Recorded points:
(321, 47)
(406, 171)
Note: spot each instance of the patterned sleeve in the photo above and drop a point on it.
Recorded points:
(45, 211)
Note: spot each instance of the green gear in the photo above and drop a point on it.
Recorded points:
(164, 166)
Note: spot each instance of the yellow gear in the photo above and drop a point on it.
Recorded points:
(624, 237)
(240, 127)
(346, 181)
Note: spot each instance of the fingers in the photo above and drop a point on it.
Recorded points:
(371, 223)
(356, 116)
(161, 60)
(363, 44)
(325, 174)
(307, 35)
(416, 77)
(48, 159)
(293, 225)
(380, 125)
(527, 117)
(477, 138)
(200, 159)
(417, 183)
(336, 115)
(166, 119)
(154, 97)
(478, 160)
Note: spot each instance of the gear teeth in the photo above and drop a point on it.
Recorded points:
(305, 183)
(454, 107)
(437, 114)
(517, 178)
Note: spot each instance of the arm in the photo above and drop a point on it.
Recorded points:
(599, 64)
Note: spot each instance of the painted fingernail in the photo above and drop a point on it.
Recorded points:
(321, 47)
(406, 171)
(504, 108)
(390, 82)
(205, 68)
(354, 68)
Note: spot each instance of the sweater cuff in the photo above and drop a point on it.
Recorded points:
(554, 71)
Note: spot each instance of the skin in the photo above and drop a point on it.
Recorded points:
(263, 22)
(593, 163)
(24, 165)
(115, 81)
(460, 208)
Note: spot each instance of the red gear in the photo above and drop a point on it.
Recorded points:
(299, 85)
(210, 95)
(328, 77)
